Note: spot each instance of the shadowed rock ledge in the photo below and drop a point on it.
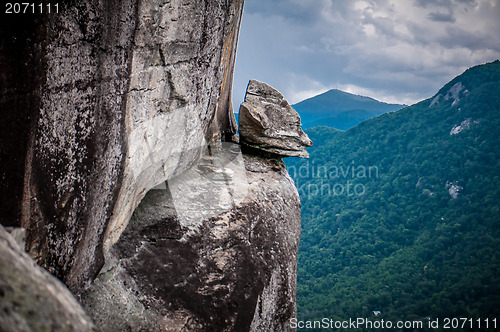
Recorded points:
(212, 250)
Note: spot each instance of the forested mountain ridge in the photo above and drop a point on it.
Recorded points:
(339, 109)
(400, 214)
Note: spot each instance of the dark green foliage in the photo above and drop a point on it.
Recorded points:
(340, 109)
(403, 245)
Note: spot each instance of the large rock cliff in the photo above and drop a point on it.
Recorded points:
(105, 100)
(100, 102)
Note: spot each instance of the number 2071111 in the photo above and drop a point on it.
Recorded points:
(31, 8)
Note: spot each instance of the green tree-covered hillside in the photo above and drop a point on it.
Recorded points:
(401, 214)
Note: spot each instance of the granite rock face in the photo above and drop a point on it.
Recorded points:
(268, 123)
(212, 250)
(100, 102)
(105, 100)
(179, 93)
(30, 298)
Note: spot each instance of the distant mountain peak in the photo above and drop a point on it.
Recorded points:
(340, 109)
(336, 93)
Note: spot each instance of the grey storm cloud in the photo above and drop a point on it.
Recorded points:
(393, 50)
(441, 17)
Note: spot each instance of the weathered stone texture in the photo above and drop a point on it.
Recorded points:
(104, 101)
(230, 267)
(268, 123)
(109, 98)
(179, 69)
(75, 158)
(31, 299)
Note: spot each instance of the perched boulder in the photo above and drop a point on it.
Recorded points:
(30, 298)
(212, 250)
(267, 122)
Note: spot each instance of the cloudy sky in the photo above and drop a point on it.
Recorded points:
(399, 51)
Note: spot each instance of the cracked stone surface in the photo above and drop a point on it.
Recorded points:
(268, 123)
